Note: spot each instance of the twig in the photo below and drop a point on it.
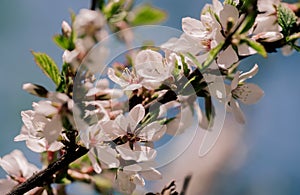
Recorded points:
(42, 177)
(93, 4)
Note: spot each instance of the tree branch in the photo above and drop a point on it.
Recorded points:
(93, 5)
(41, 178)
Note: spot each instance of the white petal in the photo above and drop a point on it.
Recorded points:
(247, 75)
(45, 108)
(122, 123)
(146, 57)
(138, 180)
(193, 27)
(237, 112)
(235, 81)
(249, 93)
(55, 146)
(108, 156)
(92, 157)
(228, 57)
(132, 87)
(126, 153)
(133, 168)
(229, 11)
(36, 145)
(146, 154)
(112, 130)
(135, 115)
(153, 131)
(6, 185)
(151, 174)
(53, 129)
(124, 183)
(245, 50)
(111, 74)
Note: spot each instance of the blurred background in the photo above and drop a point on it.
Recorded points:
(263, 156)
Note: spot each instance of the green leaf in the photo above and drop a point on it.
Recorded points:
(248, 23)
(212, 55)
(293, 37)
(256, 46)
(63, 42)
(296, 47)
(147, 14)
(118, 17)
(112, 8)
(186, 70)
(230, 2)
(286, 19)
(194, 60)
(48, 66)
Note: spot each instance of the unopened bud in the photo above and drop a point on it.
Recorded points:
(268, 36)
(66, 29)
(36, 90)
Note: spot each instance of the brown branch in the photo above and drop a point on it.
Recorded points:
(42, 177)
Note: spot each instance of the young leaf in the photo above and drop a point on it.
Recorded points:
(186, 70)
(212, 55)
(286, 19)
(230, 2)
(256, 46)
(48, 66)
(147, 14)
(63, 42)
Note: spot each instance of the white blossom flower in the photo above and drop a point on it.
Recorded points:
(128, 126)
(93, 138)
(71, 57)
(208, 32)
(152, 68)
(129, 81)
(59, 105)
(133, 175)
(88, 22)
(102, 90)
(89, 28)
(247, 93)
(18, 169)
(32, 133)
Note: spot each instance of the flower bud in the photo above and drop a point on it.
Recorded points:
(36, 90)
(268, 36)
(66, 29)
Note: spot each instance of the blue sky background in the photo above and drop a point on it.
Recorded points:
(272, 132)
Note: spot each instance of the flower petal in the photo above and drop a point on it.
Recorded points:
(95, 164)
(135, 115)
(108, 156)
(153, 131)
(237, 112)
(249, 93)
(227, 58)
(111, 74)
(52, 129)
(151, 174)
(248, 75)
(193, 27)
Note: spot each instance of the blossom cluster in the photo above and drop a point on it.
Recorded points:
(156, 92)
